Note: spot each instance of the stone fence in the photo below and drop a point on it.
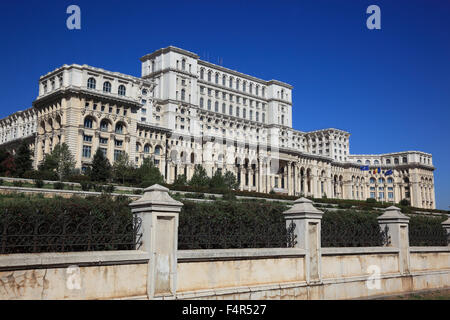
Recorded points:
(160, 271)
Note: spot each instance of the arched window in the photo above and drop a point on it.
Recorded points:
(237, 111)
(202, 73)
(224, 108)
(404, 160)
(183, 94)
(388, 161)
(107, 86)
(257, 90)
(147, 148)
(216, 107)
(157, 150)
(396, 161)
(367, 161)
(91, 83)
(183, 64)
(217, 78)
(244, 113)
(88, 123)
(119, 128)
(372, 180)
(376, 162)
(104, 125)
(390, 180)
(359, 161)
(244, 86)
(231, 82)
(201, 102)
(230, 110)
(122, 90)
(209, 104)
(237, 84)
(251, 87)
(209, 76)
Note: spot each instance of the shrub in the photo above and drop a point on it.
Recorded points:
(58, 186)
(42, 175)
(225, 225)
(78, 178)
(38, 183)
(48, 211)
(1, 182)
(427, 231)
(98, 188)
(109, 188)
(350, 229)
(404, 202)
(138, 191)
(85, 186)
(17, 183)
(371, 200)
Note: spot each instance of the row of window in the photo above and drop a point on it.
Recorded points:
(104, 125)
(237, 110)
(231, 82)
(231, 97)
(102, 108)
(92, 84)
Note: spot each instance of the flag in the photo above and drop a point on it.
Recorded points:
(389, 172)
(364, 168)
(374, 171)
(379, 170)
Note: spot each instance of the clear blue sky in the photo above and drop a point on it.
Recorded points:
(389, 88)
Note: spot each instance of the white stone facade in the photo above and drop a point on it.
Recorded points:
(185, 111)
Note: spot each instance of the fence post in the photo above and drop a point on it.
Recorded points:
(446, 226)
(307, 221)
(159, 214)
(398, 232)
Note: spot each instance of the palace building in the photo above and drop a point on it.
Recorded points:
(184, 111)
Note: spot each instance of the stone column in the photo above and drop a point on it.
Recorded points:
(397, 230)
(307, 220)
(446, 226)
(159, 214)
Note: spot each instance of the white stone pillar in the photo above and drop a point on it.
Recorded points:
(159, 214)
(397, 230)
(307, 220)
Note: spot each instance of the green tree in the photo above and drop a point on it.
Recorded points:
(122, 168)
(200, 177)
(101, 168)
(149, 174)
(60, 160)
(217, 181)
(230, 180)
(22, 159)
(180, 180)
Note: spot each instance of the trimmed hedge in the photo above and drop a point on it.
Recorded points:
(427, 231)
(226, 225)
(351, 229)
(35, 224)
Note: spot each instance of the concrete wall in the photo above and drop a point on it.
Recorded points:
(222, 274)
(83, 275)
(280, 273)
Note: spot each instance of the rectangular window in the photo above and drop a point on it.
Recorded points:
(118, 143)
(86, 152)
(117, 154)
(87, 138)
(103, 140)
(104, 151)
